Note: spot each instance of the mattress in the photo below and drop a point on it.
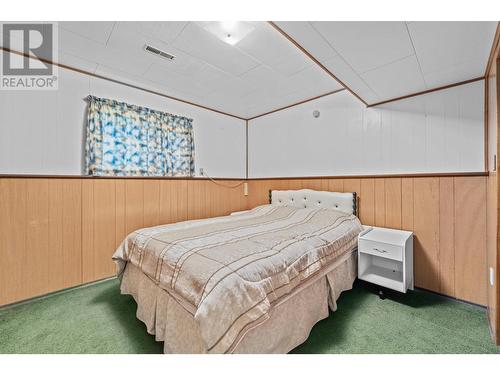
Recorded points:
(228, 273)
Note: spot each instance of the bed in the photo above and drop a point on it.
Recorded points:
(253, 282)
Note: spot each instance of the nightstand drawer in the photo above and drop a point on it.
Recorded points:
(381, 249)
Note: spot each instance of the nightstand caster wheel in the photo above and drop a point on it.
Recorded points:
(381, 294)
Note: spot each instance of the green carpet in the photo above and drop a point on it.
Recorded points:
(97, 319)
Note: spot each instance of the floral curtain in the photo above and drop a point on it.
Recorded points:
(128, 140)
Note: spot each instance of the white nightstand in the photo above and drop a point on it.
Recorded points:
(385, 258)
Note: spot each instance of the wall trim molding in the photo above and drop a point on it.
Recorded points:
(485, 120)
(87, 177)
(295, 104)
(246, 149)
(180, 178)
(451, 85)
(494, 47)
(399, 175)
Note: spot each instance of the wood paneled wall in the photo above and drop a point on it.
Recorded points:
(492, 104)
(447, 215)
(492, 254)
(57, 233)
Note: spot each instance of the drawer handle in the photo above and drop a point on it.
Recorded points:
(380, 251)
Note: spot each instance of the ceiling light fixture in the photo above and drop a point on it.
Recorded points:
(230, 32)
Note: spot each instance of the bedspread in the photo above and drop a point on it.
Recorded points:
(228, 271)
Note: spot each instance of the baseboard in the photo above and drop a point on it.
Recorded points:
(483, 307)
(61, 291)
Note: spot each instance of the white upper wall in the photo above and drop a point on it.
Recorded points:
(43, 132)
(434, 133)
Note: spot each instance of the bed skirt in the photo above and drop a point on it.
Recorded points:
(288, 325)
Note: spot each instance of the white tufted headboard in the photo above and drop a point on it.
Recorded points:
(306, 198)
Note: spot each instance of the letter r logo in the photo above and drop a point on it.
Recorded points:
(35, 39)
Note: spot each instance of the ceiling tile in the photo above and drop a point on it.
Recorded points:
(289, 67)
(268, 46)
(311, 78)
(126, 77)
(230, 87)
(76, 45)
(170, 79)
(198, 42)
(259, 96)
(397, 79)
(367, 45)
(308, 83)
(78, 62)
(440, 45)
(347, 75)
(125, 39)
(209, 75)
(167, 32)
(96, 31)
(262, 76)
(143, 82)
(305, 34)
(379, 60)
(456, 73)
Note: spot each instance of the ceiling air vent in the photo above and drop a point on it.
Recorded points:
(157, 52)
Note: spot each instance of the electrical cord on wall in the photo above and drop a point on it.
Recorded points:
(218, 183)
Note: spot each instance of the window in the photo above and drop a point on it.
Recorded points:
(128, 140)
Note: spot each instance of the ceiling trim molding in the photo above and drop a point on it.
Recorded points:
(120, 82)
(308, 54)
(294, 104)
(427, 91)
(494, 47)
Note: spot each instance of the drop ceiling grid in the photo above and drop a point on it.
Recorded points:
(277, 74)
